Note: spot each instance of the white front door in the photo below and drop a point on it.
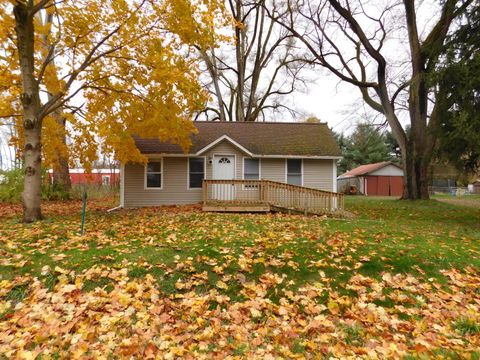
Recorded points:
(224, 169)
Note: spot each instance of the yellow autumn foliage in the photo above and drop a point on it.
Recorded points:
(117, 69)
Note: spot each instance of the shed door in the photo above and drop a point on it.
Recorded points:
(396, 185)
(371, 186)
(224, 169)
(383, 185)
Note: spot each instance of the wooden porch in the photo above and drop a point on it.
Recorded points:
(266, 195)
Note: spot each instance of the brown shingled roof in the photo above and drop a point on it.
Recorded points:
(366, 169)
(259, 138)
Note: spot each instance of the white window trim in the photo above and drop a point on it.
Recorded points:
(234, 164)
(188, 171)
(106, 177)
(145, 187)
(259, 171)
(301, 169)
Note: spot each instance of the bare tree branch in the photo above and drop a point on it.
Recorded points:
(251, 75)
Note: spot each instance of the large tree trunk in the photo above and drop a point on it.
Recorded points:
(32, 124)
(416, 167)
(418, 155)
(214, 73)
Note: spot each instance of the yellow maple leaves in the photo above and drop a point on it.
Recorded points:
(214, 307)
(120, 69)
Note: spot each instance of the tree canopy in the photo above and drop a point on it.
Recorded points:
(353, 40)
(253, 77)
(458, 96)
(116, 69)
(366, 145)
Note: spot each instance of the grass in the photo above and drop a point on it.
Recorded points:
(467, 326)
(387, 235)
(186, 250)
(354, 335)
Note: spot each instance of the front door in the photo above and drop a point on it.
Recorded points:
(224, 169)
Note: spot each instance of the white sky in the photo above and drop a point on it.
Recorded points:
(332, 101)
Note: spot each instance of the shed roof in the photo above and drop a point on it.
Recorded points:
(367, 169)
(258, 138)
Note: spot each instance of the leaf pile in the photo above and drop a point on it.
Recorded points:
(178, 283)
(136, 319)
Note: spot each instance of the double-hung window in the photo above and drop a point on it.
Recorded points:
(251, 169)
(196, 172)
(294, 171)
(154, 175)
(106, 180)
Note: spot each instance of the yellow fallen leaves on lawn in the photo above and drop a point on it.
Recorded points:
(136, 319)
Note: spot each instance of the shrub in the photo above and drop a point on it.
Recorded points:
(11, 185)
(94, 191)
(54, 192)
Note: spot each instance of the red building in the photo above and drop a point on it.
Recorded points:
(380, 179)
(106, 177)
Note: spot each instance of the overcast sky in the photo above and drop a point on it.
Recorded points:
(337, 103)
(331, 101)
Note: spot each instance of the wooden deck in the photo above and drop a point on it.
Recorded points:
(266, 195)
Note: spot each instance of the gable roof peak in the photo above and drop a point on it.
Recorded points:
(367, 168)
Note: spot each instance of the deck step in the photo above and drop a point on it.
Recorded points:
(298, 210)
(237, 208)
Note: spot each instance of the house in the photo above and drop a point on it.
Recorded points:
(379, 179)
(237, 155)
(106, 177)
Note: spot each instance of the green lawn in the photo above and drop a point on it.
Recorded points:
(399, 279)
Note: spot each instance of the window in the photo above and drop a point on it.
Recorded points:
(224, 160)
(154, 175)
(251, 169)
(294, 171)
(196, 173)
(106, 180)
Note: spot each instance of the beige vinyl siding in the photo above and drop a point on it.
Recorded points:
(273, 169)
(174, 188)
(318, 174)
(175, 179)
